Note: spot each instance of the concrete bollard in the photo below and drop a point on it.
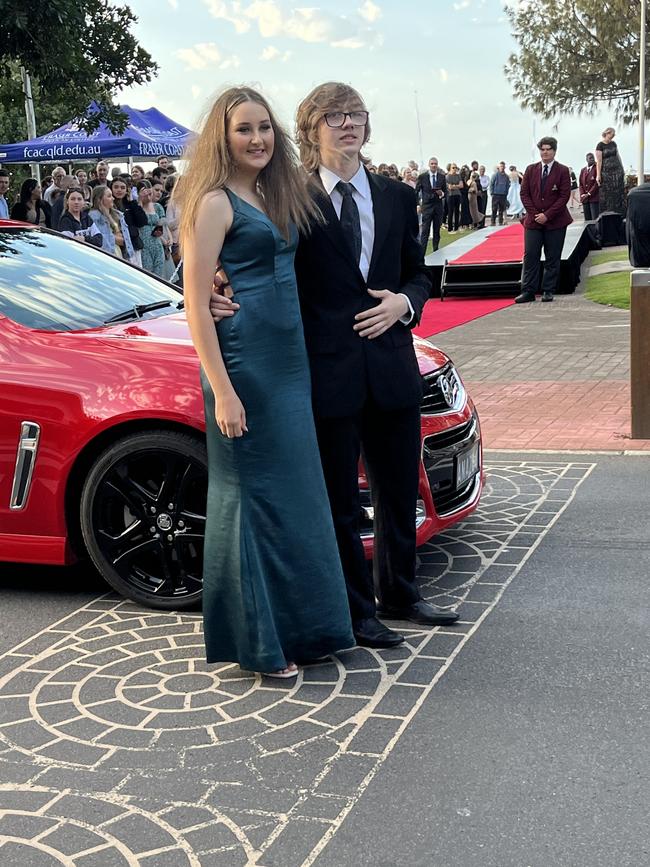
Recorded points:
(640, 353)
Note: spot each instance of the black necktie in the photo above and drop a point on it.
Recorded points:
(350, 222)
(544, 177)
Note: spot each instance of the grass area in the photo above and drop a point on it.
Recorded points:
(603, 256)
(611, 289)
(446, 238)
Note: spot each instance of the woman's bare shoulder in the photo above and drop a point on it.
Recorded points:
(216, 205)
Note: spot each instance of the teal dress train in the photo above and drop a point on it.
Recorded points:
(274, 590)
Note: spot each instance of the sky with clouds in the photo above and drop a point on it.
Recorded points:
(446, 56)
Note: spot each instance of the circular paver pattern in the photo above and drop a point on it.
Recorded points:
(40, 827)
(128, 683)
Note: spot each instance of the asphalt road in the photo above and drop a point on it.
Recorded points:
(517, 739)
(533, 750)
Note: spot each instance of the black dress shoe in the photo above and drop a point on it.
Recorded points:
(547, 296)
(371, 633)
(525, 298)
(420, 612)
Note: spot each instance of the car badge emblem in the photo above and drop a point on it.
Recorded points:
(447, 390)
(164, 522)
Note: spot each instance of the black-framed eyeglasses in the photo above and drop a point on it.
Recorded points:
(336, 119)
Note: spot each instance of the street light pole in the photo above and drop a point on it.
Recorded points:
(31, 119)
(417, 117)
(642, 44)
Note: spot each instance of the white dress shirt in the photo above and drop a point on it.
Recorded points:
(363, 200)
(4, 208)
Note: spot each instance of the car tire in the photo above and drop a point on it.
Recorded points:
(142, 515)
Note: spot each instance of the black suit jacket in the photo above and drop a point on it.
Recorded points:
(424, 189)
(346, 369)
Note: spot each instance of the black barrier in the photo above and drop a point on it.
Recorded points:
(611, 229)
(638, 225)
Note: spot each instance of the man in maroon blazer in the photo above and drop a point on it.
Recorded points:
(589, 189)
(545, 191)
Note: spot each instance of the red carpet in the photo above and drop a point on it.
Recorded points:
(439, 315)
(506, 245)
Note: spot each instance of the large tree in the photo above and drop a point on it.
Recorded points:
(76, 51)
(576, 56)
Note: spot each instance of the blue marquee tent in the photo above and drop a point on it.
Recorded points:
(149, 134)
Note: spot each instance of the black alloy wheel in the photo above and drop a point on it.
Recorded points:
(143, 508)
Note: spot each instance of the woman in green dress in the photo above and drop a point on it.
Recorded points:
(153, 252)
(274, 591)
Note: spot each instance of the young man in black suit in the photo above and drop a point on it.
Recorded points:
(362, 285)
(431, 189)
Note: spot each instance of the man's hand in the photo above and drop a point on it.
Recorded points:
(541, 219)
(221, 305)
(371, 323)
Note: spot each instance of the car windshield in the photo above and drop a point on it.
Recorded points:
(53, 283)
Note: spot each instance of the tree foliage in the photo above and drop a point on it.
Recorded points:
(75, 51)
(575, 56)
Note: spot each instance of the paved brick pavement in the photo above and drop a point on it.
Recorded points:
(549, 376)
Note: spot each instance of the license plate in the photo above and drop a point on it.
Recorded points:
(467, 465)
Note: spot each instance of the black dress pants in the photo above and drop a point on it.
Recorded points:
(453, 213)
(431, 219)
(499, 205)
(389, 442)
(551, 241)
(593, 208)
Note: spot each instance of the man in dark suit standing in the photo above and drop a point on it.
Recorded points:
(545, 191)
(362, 285)
(431, 189)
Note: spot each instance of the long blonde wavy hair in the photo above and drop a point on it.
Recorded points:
(281, 183)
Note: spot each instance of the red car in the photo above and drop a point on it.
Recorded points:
(102, 446)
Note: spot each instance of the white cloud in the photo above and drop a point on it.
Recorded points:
(173, 3)
(196, 91)
(273, 53)
(463, 4)
(205, 54)
(275, 19)
(370, 11)
(268, 16)
(350, 42)
(444, 75)
(229, 11)
(310, 25)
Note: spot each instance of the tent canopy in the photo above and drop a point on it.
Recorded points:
(149, 134)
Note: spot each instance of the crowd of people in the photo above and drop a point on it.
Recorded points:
(132, 215)
(461, 197)
(129, 215)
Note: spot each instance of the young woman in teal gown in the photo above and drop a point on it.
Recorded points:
(274, 591)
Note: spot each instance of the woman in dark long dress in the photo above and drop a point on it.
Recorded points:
(274, 591)
(465, 213)
(610, 174)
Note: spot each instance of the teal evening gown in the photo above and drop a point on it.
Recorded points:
(274, 590)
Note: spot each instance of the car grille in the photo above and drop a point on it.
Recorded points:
(366, 518)
(439, 454)
(443, 392)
